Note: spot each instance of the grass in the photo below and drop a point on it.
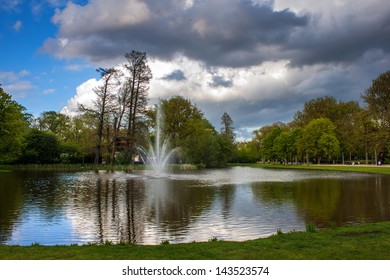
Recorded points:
(366, 242)
(383, 169)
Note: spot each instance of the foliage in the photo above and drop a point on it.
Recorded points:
(41, 147)
(377, 97)
(12, 127)
(197, 139)
(247, 152)
(315, 137)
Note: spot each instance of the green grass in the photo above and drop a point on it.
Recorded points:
(384, 169)
(367, 242)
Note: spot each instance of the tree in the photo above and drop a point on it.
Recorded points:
(321, 107)
(55, 122)
(103, 105)
(377, 97)
(247, 152)
(136, 91)
(285, 145)
(315, 135)
(12, 128)
(227, 137)
(178, 113)
(41, 147)
(265, 138)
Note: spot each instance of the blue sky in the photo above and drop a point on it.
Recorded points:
(257, 60)
(37, 80)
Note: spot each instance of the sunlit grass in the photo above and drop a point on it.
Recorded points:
(367, 242)
(384, 169)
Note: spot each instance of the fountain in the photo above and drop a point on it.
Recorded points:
(157, 155)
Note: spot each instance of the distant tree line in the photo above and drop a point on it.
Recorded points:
(120, 120)
(327, 130)
(111, 130)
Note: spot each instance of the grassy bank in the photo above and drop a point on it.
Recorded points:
(368, 241)
(384, 169)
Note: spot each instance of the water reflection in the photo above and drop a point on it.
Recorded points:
(231, 204)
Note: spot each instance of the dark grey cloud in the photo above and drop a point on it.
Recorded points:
(236, 51)
(223, 33)
(219, 81)
(176, 75)
(219, 33)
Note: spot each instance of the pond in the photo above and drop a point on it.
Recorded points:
(237, 203)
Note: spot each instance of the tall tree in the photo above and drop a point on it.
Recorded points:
(377, 97)
(12, 127)
(227, 137)
(103, 105)
(137, 87)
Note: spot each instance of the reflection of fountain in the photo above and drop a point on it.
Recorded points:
(158, 154)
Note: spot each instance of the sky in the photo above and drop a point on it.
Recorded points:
(257, 60)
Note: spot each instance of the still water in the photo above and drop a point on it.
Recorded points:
(237, 203)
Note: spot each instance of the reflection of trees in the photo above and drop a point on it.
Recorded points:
(275, 193)
(226, 196)
(318, 200)
(45, 192)
(110, 210)
(11, 202)
(173, 204)
(369, 202)
(325, 201)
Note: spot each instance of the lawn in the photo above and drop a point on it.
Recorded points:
(365, 242)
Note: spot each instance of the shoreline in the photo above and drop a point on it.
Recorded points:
(382, 169)
(352, 242)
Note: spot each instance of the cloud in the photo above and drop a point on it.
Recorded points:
(49, 91)
(238, 35)
(17, 26)
(15, 83)
(176, 75)
(10, 5)
(84, 95)
(258, 60)
(219, 81)
(242, 33)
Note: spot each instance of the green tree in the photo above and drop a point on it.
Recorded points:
(377, 97)
(179, 116)
(247, 152)
(55, 122)
(314, 137)
(321, 107)
(267, 136)
(12, 128)
(41, 147)
(227, 137)
(285, 145)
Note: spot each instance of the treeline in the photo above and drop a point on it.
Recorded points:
(120, 121)
(329, 131)
(114, 127)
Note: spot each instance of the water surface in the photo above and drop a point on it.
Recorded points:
(237, 203)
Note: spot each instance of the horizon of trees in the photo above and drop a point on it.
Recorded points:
(327, 130)
(120, 120)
